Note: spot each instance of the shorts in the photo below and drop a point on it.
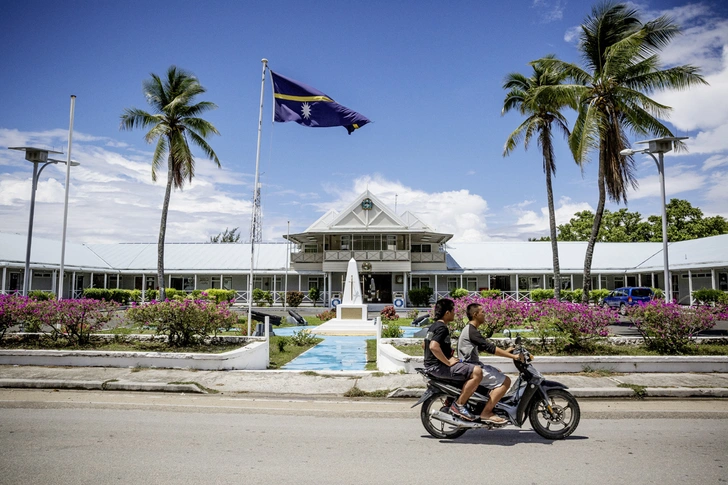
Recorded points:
(492, 377)
(460, 371)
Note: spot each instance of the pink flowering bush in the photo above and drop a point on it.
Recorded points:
(13, 311)
(499, 314)
(183, 322)
(75, 320)
(667, 327)
(574, 325)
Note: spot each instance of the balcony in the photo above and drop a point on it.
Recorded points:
(307, 257)
(362, 255)
(428, 257)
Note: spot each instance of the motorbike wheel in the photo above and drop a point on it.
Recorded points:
(562, 422)
(436, 428)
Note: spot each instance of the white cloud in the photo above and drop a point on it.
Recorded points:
(112, 197)
(678, 179)
(532, 223)
(572, 34)
(457, 212)
(551, 10)
(715, 161)
(715, 196)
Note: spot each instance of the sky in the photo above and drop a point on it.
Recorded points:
(430, 79)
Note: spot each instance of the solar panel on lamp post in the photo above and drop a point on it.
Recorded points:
(36, 156)
(660, 146)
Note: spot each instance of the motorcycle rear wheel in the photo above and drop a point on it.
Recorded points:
(562, 422)
(437, 428)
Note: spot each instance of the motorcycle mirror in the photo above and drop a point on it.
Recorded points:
(507, 333)
(518, 340)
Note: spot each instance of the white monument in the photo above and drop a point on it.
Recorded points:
(351, 313)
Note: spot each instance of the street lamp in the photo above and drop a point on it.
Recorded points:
(36, 156)
(660, 146)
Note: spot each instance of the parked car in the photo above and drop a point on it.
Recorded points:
(621, 298)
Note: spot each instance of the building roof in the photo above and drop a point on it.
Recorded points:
(485, 257)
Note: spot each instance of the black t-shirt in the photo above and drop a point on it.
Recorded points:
(440, 334)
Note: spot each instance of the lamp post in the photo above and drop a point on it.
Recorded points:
(36, 156)
(660, 146)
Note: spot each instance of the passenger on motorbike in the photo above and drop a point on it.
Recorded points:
(470, 344)
(440, 362)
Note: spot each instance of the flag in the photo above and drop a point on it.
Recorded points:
(310, 107)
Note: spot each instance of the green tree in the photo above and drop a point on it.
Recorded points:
(226, 236)
(541, 115)
(686, 222)
(621, 68)
(173, 123)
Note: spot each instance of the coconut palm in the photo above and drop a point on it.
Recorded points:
(541, 115)
(621, 69)
(173, 123)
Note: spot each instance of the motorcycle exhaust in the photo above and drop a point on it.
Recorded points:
(453, 421)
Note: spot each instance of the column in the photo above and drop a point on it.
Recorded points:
(118, 281)
(105, 276)
(404, 280)
(518, 293)
(712, 278)
(30, 279)
(53, 283)
(436, 297)
(690, 286)
(639, 279)
(169, 279)
(600, 280)
(73, 285)
(488, 276)
(274, 289)
(461, 281)
(299, 281)
(144, 286)
(5, 275)
(572, 282)
(195, 287)
(544, 282)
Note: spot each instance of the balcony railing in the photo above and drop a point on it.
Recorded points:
(428, 257)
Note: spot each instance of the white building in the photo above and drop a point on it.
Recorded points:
(395, 252)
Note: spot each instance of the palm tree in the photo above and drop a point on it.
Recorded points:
(621, 69)
(541, 115)
(173, 124)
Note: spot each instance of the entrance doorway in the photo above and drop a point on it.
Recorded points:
(377, 287)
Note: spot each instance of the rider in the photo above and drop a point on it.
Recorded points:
(471, 342)
(439, 360)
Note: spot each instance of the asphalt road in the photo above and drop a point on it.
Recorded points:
(100, 438)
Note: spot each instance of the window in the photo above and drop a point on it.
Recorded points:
(631, 281)
(114, 281)
(535, 282)
(421, 248)
(647, 280)
(452, 283)
(618, 281)
(310, 248)
(346, 243)
(419, 282)
(522, 283)
(315, 282)
(471, 283)
(723, 281)
(391, 242)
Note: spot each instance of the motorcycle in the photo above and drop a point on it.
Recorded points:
(553, 412)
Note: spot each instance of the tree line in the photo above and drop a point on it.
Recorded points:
(683, 222)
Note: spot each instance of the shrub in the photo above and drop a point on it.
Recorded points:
(76, 320)
(708, 296)
(303, 337)
(659, 294)
(326, 315)
(40, 295)
(540, 295)
(573, 323)
(667, 327)
(314, 294)
(262, 297)
(135, 295)
(97, 294)
(392, 331)
(459, 292)
(183, 322)
(174, 294)
(151, 294)
(413, 314)
(499, 313)
(219, 295)
(420, 297)
(121, 296)
(281, 342)
(388, 313)
(13, 311)
(490, 293)
(294, 298)
(598, 295)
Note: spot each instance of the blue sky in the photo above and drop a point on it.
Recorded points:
(428, 75)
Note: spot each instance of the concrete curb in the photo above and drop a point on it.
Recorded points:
(112, 385)
(606, 392)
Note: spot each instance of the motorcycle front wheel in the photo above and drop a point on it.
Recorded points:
(437, 428)
(561, 421)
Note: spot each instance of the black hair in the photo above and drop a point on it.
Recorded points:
(443, 306)
(470, 312)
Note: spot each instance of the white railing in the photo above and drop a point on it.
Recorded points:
(385, 255)
(307, 257)
(428, 257)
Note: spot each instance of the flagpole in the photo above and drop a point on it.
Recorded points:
(288, 258)
(255, 194)
(65, 203)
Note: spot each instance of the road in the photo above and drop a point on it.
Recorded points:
(75, 437)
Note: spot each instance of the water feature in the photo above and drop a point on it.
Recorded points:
(336, 352)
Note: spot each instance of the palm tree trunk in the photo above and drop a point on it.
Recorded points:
(595, 232)
(552, 226)
(163, 231)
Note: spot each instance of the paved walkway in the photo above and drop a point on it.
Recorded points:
(330, 384)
